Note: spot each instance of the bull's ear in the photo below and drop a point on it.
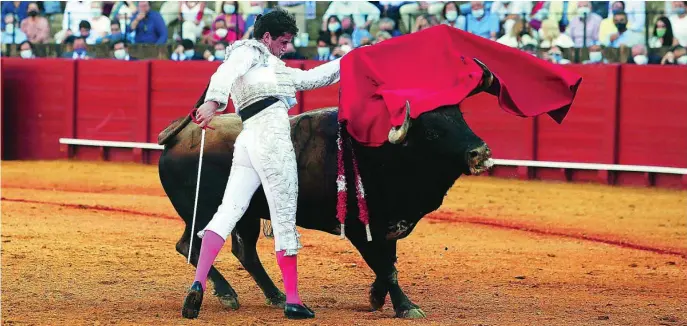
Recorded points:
(397, 135)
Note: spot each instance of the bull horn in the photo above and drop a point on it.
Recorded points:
(398, 134)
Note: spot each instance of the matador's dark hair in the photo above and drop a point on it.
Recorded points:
(277, 22)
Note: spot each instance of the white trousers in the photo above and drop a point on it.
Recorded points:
(263, 155)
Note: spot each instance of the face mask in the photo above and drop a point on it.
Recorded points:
(583, 11)
(256, 10)
(97, 12)
(616, 11)
(323, 51)
(680, 11)
(346, 48)
(556, 57)
(229, 9)
(682, 60)
(640, 59)
(120, 54)
(660, 32)
(80, 51)
(478, 13)
(222, 32)
(9, 29)
(219, 54)
(333, 27)
(595, 56)
(189, 53)
(451, 15)
(33, 13)
(26, 54)
(621, 27)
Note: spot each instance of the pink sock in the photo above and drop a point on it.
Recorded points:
(289, 271)
(209, 248)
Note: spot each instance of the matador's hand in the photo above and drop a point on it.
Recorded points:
(205, 113)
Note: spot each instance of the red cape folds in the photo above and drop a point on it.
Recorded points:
(433, 68)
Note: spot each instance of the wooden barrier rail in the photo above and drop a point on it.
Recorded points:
(624, 116)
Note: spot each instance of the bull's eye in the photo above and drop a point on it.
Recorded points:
(431, 134)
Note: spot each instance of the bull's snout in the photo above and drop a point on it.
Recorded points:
(479, 159)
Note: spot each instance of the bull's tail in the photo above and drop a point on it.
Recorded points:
(178, 125)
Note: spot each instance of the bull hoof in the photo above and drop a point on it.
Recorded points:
(377, 299)
(414, 313)
(229, 301)
(278, 301)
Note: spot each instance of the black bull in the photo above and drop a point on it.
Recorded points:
(403, 182)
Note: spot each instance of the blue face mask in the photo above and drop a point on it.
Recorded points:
(557, 57)
(189, 53)
(680, 11)
(80, 51)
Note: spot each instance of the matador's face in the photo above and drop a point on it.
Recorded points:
(277, 46)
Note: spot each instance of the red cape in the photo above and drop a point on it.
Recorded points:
(433, 68)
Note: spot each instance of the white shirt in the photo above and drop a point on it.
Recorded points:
(679, 26)
(358, 9)
(74, 13)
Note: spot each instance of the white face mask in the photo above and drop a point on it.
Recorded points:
(120, 54)
(478, 13)
(641, 59)
(222, 32)
(26, 54)
(323, 51)
(595, 56)
(189, 53)
(219, 54)
(583, 11)
(229, 9)
(682, 60)
(346, 48)
(451, 15)
(333, 27)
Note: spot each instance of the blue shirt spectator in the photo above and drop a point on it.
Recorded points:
(20, 12)
(481, 22)
(148, 25)
(12, 34)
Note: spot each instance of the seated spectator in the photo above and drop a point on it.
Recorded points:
(12, 34)
(114, 35)
(18, 8)
(390, 10)
(219, 52)
(410, 11)
(292, 54)
(120, 8)
(550, 35)
(480, 22)
(530, 49)
(388, 25)
(676, 56)
(35, 26)
(220, 33)
(185, 52)
(555, 55)
(450, 16)
(80, 49)
(26, 50)
(624, 36)
(85, 32)
(363, 12)
(576, 28)
(662, 35)
(519, 36)
(345, 46)
(425, 21)
(148, 25)
(358, 34)
(74, 13)
(596, 55)
(381, 36)
(323, 50)
(191, 15)
(679, 21)
(234, 22)
(640, 56)
(561, 12)
(636, 14)
(509, 12)
(607, 26)
(331, 30)
(120, 51)
(100, 24)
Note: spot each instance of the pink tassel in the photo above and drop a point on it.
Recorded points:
(341, 209)
(362, 202)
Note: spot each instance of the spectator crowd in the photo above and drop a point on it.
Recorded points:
(546, 29)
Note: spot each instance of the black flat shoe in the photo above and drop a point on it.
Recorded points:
(194, 298)
(296, 311)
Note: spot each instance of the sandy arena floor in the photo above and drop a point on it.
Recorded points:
(77, 250)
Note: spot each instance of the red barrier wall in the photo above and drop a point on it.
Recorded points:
(622, 115)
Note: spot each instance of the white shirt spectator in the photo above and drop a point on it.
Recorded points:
(358, 9)
(679, 26)
(74, 12)
(500, 9)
